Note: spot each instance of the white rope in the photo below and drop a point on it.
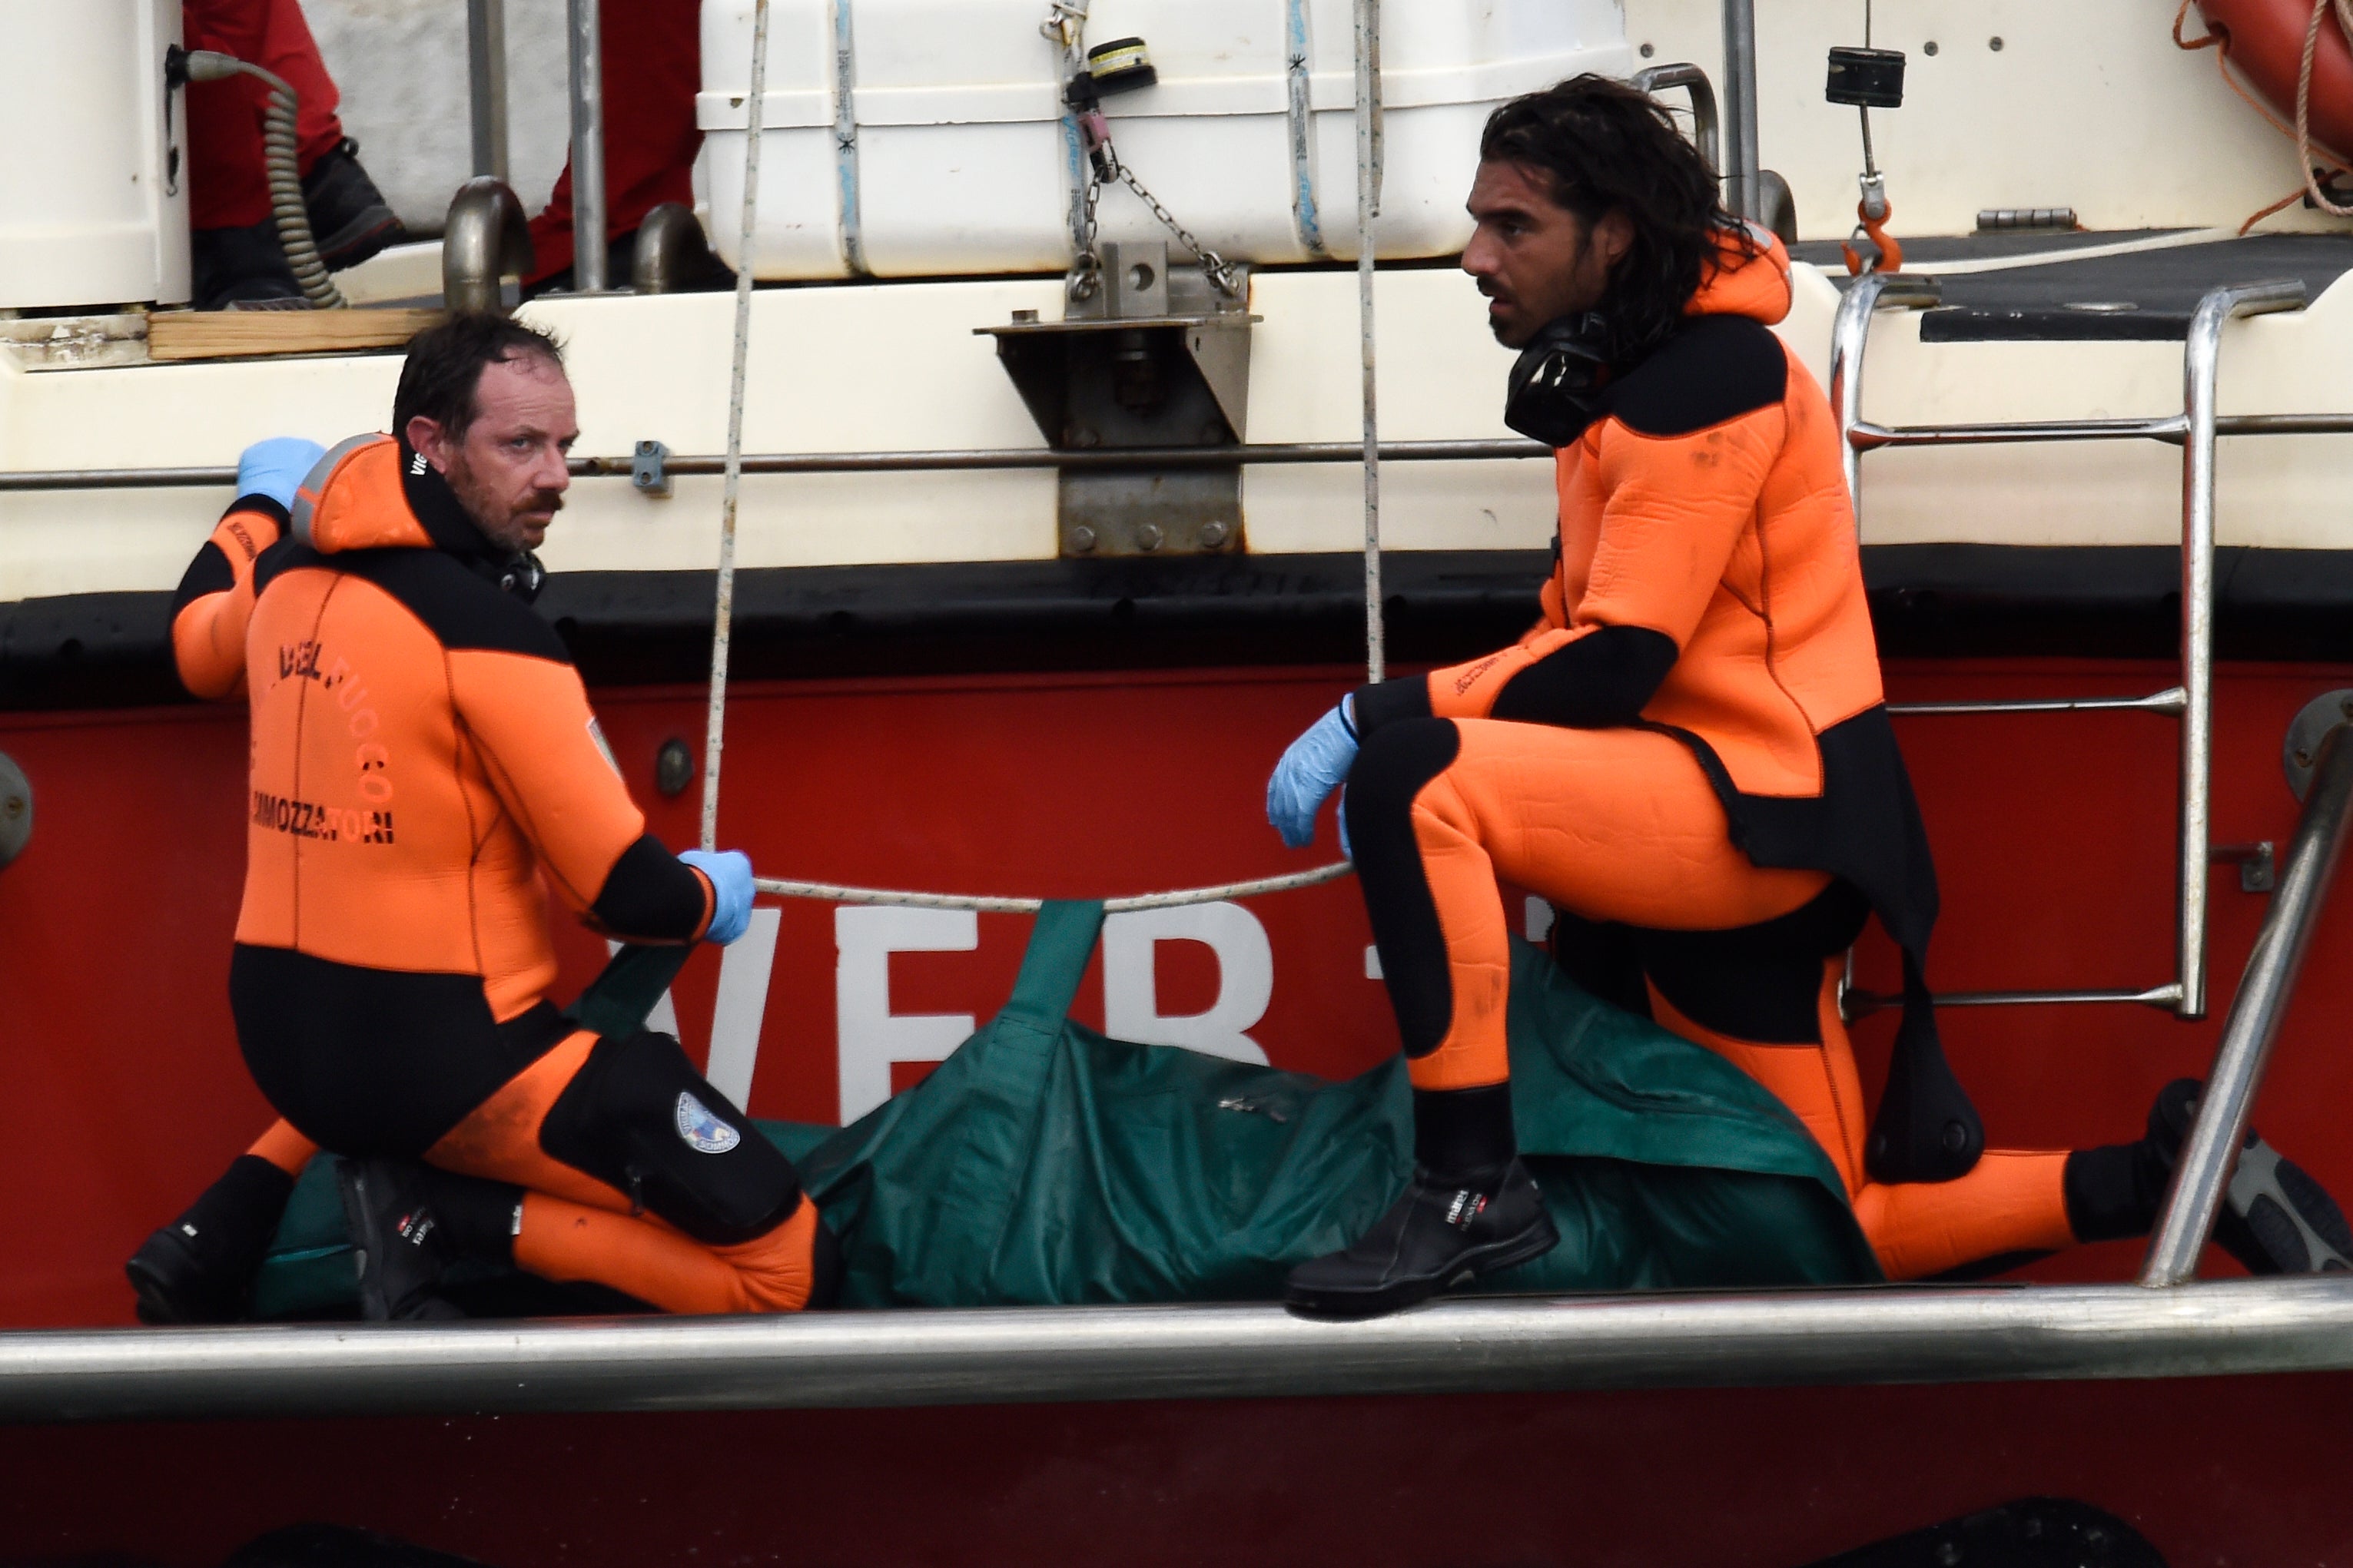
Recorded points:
(723, 615)
(2320, 10)
(1368, 199)
(835, 893)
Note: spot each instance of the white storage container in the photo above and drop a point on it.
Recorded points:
(952, 154)
(93, 204)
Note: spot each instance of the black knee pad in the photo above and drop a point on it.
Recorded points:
(1761, 982)
(638, 1117)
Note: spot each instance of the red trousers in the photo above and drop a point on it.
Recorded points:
(653, 66)
(228, 187)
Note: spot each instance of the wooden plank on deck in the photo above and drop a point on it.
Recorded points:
(226, 335)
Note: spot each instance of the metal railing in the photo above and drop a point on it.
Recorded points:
(2202, 1171)
(876, 462)
(849, 1360)
(2194, 429)
(1655, 79)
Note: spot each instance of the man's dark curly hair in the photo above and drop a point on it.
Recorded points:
(444, 364)
(1607, 147)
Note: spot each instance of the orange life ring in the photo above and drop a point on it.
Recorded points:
(2264, 39)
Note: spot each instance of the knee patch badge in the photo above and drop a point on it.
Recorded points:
(638, 1117)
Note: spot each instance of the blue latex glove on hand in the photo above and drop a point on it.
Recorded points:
(1310, 770)
(275, 466)
(730, 872)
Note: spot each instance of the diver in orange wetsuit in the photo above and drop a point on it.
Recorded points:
(1689, 754)
(423, 755)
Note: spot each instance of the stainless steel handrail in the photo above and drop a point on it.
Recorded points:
(2195, 429)
(1739, 167)
(585, 49)
(841, 1359)
(486, 69)
(1655, 79)
(2172, 700)
(2202, 1173)
(880, 462)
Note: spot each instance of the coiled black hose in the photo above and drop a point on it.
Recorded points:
(281, 161)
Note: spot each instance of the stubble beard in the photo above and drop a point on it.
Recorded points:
(502, 525)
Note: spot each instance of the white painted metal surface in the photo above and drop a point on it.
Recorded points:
(861, 367)
(93, 204)
(957, 161)
(2022, 103)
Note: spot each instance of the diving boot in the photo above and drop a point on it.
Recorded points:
(2276, 1219)
(1437, 1235)
(398, 1234)
(350, 219)
(199, 1268)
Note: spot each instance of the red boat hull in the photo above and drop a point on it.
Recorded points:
(120, 1093)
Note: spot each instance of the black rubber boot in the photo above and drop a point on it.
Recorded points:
(241, 269)
(1436, 1235)
(1470, 1209)
(2275, 1218)
(199, 1268)
(350, 219)
(409, 1222)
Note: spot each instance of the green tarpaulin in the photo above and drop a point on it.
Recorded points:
(1043, 1163)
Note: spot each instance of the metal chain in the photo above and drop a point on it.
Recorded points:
(1221, 272)
(1086, 269)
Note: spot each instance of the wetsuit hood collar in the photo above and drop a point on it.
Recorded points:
(373, 492)
(1746, 282)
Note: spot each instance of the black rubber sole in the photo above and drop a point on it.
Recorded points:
(1354, 1306)
(167, 1280)
(2276, 1219)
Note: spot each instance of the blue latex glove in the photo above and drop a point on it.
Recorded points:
(730, 872)
(1310, 770)
(275, 466)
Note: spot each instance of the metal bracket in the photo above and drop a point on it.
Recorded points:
(650, 470)
(2300, 752)
(16, 809)
(1155, 357)
(2258, 870)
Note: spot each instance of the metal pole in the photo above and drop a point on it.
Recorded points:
(2202, 1173)
(1369, 197)
(2199, 361)
(587, 53)
(486, 61)
(1740, 192)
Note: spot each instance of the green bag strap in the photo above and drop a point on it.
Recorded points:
(1059, 945)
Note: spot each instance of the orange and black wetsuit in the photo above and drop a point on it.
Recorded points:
(216, 598)
(1689, 755)
(423, 754)
(209, 614)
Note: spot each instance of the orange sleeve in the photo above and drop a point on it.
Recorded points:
(544, 755)
(1675, 508)
(215, 601)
